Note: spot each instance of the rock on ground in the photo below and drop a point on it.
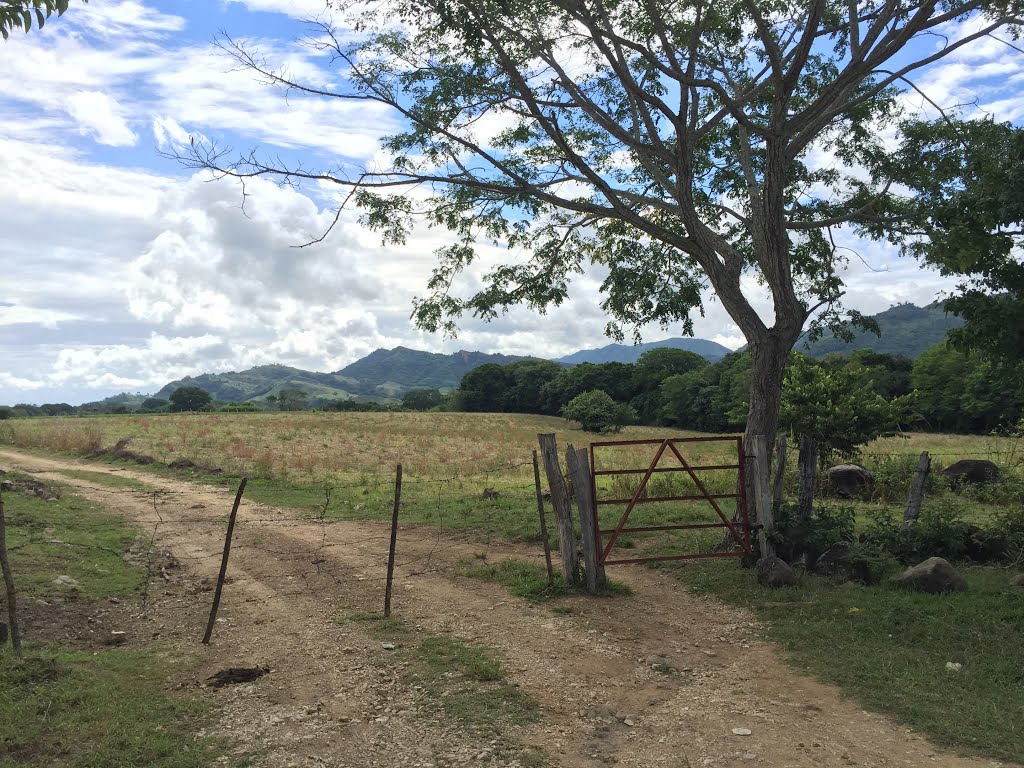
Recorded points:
(851, 481)
(773, 572)
(935, 575)
(975, 471)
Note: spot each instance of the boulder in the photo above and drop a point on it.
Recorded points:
(851, 481)
(934, 575)
(832, 562)
(974, 471)
(773, 572)
(1017, 581)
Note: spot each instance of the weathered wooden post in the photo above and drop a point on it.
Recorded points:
(394, 540)
(762, 495)
(579, 470)
(924, 465)
(778, 484)
(12, 596)
(543, 521)
(224, 562)
(808, 466)
(562, 507)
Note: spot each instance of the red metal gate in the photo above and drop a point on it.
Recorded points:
(738, 527)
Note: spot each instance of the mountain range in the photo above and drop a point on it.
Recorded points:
(387, 374)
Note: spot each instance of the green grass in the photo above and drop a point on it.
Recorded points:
(71, 537)
(530, 581)
(106, 478)
(888, 649)
(106, 710)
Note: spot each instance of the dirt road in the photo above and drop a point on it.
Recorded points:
(659, 678)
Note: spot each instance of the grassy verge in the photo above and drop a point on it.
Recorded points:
(888, 649)
(84, 709)
(106, 478)
(530, 581)
(68, 536)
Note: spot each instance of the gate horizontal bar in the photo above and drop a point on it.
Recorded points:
(662, 469)
(656, 441)
(698, 497)
(688, 527)
(674, 557)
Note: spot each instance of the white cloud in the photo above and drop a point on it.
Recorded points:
(98, 115)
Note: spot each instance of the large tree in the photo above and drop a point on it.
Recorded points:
(683, 146)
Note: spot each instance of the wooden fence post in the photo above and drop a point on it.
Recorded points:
(224, 562)
(394, 540)
(562, 507)
(579, 470)
(762, 495)
(543, 522)
(12, 597)
(808, 465)
(924, 465)
(778, 484)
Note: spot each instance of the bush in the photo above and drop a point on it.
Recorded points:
(795, 539)
(596, 411)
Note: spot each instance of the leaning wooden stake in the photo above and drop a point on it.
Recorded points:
(562, 507)
(762, 495)
(12, 598)
(394, 540)
(543, 522)
(578, 463)
(224, 562)
(924, 465)
(778, 484)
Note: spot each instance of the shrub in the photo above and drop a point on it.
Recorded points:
(596, 411)
(795, 539)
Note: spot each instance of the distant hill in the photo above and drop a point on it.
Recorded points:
(257, 383)
(385, 374)
(392, 372)
(907, 330)
(630, 353)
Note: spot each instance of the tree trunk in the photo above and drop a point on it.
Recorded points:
(768, 358)
(779, 483)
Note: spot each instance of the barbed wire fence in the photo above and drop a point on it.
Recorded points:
(305, 551)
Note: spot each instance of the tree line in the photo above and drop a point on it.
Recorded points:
(943, 390)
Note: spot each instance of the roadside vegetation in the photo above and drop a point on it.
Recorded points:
(96, 704)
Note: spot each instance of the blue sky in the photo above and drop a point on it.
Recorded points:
(123, 270)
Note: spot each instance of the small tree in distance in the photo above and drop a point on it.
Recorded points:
(190, 399)
(596, 411)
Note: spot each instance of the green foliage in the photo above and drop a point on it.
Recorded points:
(6, 413)
(713, 399)
(190, 399)
(962, 392)
(21, 13)
(154, 405)
(421, 399)
(289, 399)
(795, 538)
(597, 412)
(833, 408)
(967, 177)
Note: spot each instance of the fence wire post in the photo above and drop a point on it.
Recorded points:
(394, 539)
(224, 562)
(543, 522)
(12, 603)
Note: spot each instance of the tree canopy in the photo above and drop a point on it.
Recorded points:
(190, 399)
(675, 147)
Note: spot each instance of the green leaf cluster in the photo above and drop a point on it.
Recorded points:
(19, 14)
